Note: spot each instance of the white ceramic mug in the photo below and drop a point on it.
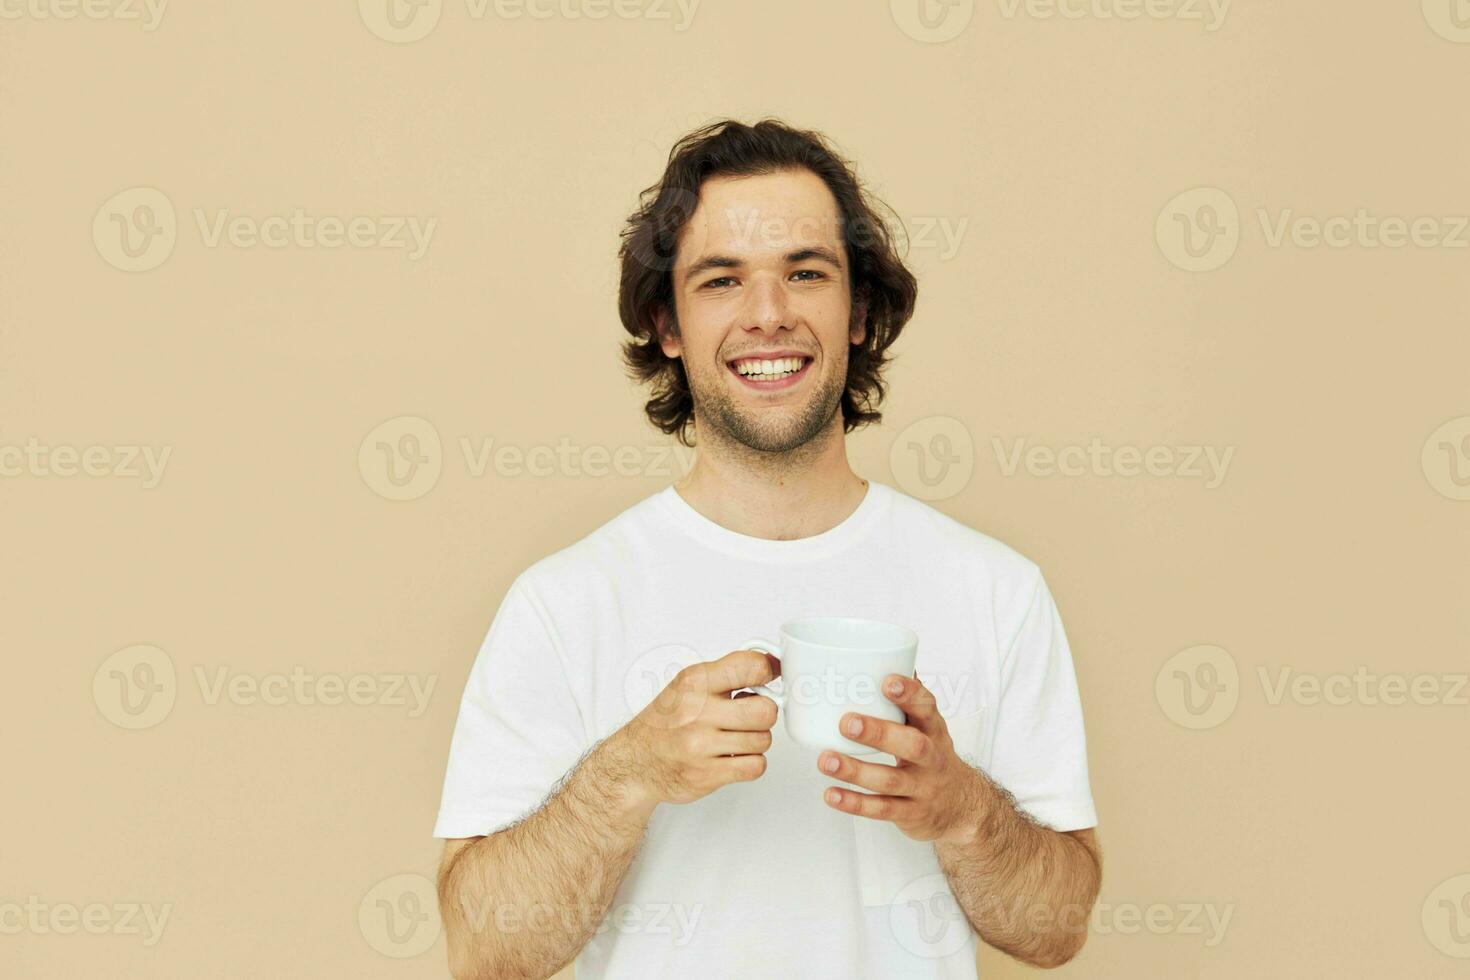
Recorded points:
(831, 665)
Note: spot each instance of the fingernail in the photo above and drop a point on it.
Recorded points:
(833, 796)
(853, 726)
(830, 764)
(895, 686)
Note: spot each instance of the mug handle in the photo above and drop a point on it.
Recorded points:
(764, 646)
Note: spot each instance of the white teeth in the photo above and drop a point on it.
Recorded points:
(767, 369)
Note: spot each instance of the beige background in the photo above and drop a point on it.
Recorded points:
(1332, 835)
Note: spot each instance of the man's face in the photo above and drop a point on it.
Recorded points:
(761, 270)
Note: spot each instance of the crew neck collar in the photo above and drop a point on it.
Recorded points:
(810, 548)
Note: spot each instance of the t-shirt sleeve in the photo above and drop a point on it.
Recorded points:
(519, 728)
(1040, 748)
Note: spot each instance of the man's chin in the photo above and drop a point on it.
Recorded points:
(767, 435)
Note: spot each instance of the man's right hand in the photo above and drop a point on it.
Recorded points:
(694, 737)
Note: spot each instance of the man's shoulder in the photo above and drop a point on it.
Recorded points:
(954, 540)
(982, 564)
(597, 554)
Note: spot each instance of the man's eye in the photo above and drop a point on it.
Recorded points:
(810, 272)
(717, 282)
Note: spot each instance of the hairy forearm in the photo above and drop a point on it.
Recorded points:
(1028, 890)
(523, 902)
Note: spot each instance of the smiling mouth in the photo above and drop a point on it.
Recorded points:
(766, 375)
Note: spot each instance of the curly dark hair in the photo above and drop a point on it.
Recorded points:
(879, 279)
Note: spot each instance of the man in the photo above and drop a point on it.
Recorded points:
(673, 829)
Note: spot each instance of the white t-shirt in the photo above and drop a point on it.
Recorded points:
(763, 879)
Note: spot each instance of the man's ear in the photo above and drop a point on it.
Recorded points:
(858, 332)
(668, 336)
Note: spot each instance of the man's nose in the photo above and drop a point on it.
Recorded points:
(767, 305)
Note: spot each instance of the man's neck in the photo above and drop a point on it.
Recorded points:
(774, 503)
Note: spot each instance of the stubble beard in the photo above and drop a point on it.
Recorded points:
(719, 418)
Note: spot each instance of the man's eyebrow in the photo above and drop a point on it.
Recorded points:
(815, 252)
(726, 262)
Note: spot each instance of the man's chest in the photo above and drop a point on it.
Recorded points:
(636, 635)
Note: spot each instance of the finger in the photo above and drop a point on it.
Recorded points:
(737, 669)
(880, 778)
(868, 804)
(900, 741)
(739, 768)
(742, 714)
(917, 701)
(740, 743)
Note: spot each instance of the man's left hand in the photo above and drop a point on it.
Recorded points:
(932, 794)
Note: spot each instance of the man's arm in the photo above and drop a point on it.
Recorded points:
(523, 902)
(1028, 890)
